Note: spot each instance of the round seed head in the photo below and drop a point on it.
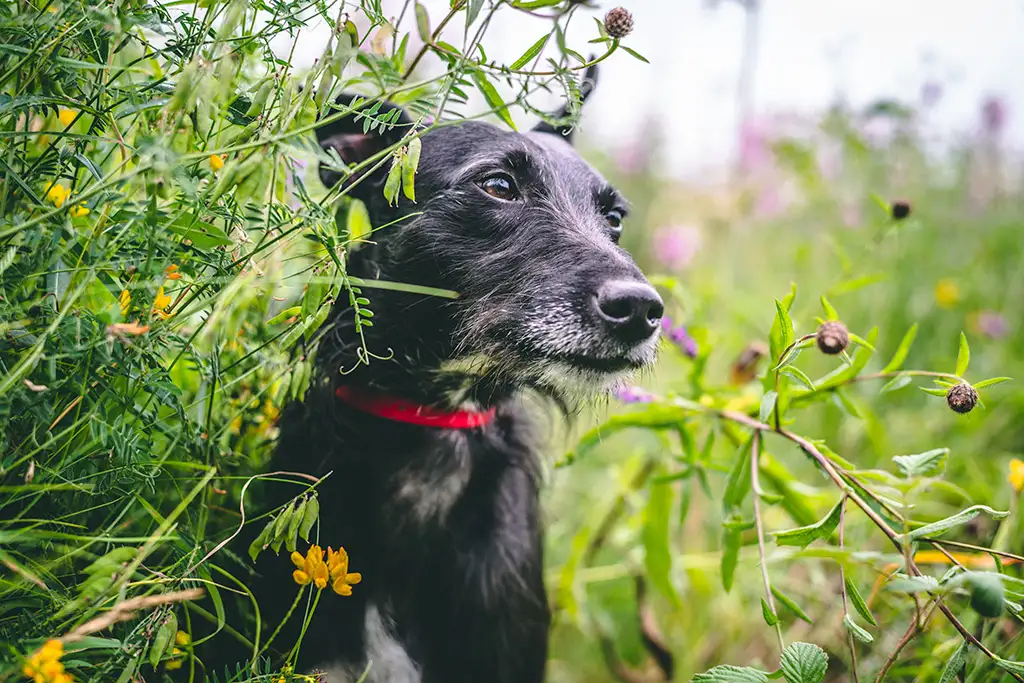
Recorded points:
(618, 23)
(832, 337)
(900, 209)
(962, 398)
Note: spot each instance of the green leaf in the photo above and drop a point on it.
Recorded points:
(655, 535)
(830, 311)
(895, 384)
(768, 405)
(901, 583)
(856, 630)
(292, 533)
(902, 350)
(410, 162)
(731, 674)
(423, 23)
(731, 542)
(738, 483)
(804, 663)
(203, 235)
(474, 11)
(933, 391)
(954, 521)
(955, 664)
(358, 221)
(790, 604)
(770, 617)
(493, 98)
(775, 336)
(990, 382)
(163, 640)
(785, 324)
(310, 514)
(530, 53)
(634, 53)
(805, 535)
(261, 541)
(925, 464)
(963, 356)
(1006, 664)
(800, 375)
(845, 403)
(858, 602)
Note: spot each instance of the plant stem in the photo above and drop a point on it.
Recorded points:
(842, 581)
(755, 456)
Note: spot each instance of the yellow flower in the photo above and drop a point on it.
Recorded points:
(947, 294)
(270, 414)
(66, 116)
(160, 302)
(79, 210)
(182, 638)
(217, 161)
(45, 667)
(337, 564)
(125, 301)
(57, 194)
(1016, 476)
(172, 272)
(311, 568)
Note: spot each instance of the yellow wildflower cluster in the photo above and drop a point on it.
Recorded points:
(313, 569)
(160, 303)
(1016, 476)
(45, 666)
(177, 659)
(947, 294)
(57, 194)
(217, 161)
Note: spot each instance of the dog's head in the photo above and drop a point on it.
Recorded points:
(527, 233)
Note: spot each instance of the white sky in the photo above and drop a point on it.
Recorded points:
(811, 51)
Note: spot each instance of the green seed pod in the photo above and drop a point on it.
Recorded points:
(259, 100)
(291, 535)
(310, 514)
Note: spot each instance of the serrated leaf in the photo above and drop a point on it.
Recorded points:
(902, 350)
(530, 53)
(768, 405)
(922, 464)
(895, 384)
(493, 98)
(991, 382)
(955, 664)
(804, 536)
(804, 663)
(731, 674)
(858, 602)
(790, 604)
(956, 520)
(830, 311)
(770, 617)
(963, 356)
(410, 162)
(856, 630)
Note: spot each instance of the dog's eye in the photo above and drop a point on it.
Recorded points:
(501, 186)
(614, 218)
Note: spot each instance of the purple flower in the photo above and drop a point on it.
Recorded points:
(678, 335)
(931, 93)
(630, 394)
(675, 246)
(993, 115)
(992, 324)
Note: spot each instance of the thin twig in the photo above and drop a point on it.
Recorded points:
(755, 455)
(842, 582)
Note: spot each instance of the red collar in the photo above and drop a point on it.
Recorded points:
(401, 410)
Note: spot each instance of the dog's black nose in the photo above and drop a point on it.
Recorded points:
(632, 310)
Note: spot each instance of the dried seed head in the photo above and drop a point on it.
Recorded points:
(962, 398)
(618, 23)
(833, 337)
(900, 209)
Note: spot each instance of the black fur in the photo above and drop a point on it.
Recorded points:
(444, 525)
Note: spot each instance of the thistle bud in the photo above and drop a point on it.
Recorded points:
(900, 209)
(832, 337)
(618, 23)
(962, 398)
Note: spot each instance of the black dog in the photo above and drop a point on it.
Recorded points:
(434, 491)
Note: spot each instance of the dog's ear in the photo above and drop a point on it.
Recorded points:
(587, 86)
(353, 141)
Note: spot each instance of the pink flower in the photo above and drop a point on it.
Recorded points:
(680, 337)
(993, 115)
(630, 394)
(675, 246)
